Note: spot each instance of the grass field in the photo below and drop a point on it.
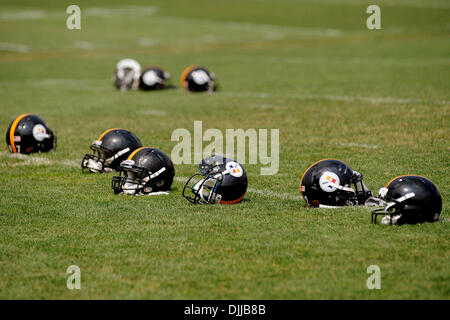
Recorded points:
(378, 100)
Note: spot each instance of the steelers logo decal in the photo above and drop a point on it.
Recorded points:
(200, 77)
(234, 169)
(150, 78)
(329, 181)
(39, 132)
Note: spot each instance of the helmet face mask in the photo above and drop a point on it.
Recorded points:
(362, 192)
(98, 160)
(203, 188)
(133, 180)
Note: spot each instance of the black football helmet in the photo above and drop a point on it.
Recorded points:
(154, 78)
(196, 78)
(126, 74)
(328, 183)
(409, 200)
(220, 180)
(146, 171)
(109, 150)
(29, 134)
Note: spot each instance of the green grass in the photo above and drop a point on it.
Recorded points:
(280, 67)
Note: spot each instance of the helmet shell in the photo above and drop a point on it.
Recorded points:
(316, 184)
(152, 160)
(126, 74)
(153, 78)
(197, 79)
(115, 140)
(28, 133)
(424, 206)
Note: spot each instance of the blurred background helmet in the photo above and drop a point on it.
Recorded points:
(29, 134)
(126, 75)
(154, 78)
(197, 78)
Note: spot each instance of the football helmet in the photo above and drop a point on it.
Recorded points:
(332, 183)
(197, 78)
(153, 78)
(126, 75)
(146, 171)
(29, 134)
(220, 180)
(409, 200)
(109, 150)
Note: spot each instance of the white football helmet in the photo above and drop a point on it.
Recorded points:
(126, 75)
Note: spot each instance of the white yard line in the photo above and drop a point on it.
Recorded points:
(398, 3)
(120, 11)
(273, 194)
(14, 47)
(85, 45)
(374, 100)
(261, 192)
(268, 29)
(147, 42)
(22, 15)
(360, 145)
(23, 160)
(152, 112)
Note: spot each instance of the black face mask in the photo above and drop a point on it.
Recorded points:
(135, 180)
(97, 161)
(203, 188)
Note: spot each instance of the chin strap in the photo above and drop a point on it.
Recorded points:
(156, 193)
(324, 206)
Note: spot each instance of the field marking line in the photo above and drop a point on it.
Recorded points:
(11, 15)
(374, 100)
(360, 145)
(406, 3)
(85, 45)
(261, 192)
(147, 42)
(270, 29)
(152, 112)
(14, 47)
(120, 11)
(35, 160)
